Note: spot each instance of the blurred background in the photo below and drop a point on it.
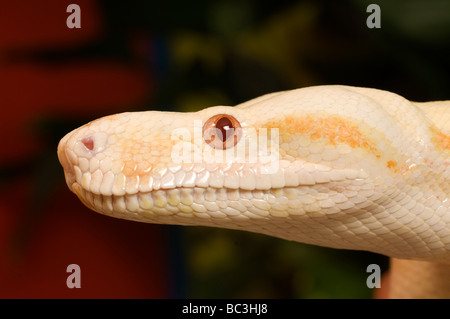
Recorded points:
(182, 56)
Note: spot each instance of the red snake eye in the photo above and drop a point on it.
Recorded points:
(222, 131)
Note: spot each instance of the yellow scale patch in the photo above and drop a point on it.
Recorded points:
(441, 140)
(141, 158)
(334, 129)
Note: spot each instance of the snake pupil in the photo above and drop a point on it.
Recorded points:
(226, 127)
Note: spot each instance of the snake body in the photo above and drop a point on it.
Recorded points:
(336, 166)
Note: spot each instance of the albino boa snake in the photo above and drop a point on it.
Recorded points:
(335, 166)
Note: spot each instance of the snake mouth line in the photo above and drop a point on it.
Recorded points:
(221, 202)
(308, 174)
(205, 199)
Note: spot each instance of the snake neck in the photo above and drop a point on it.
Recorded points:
(419, 279)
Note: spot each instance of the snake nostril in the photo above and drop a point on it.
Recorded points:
(88, 142)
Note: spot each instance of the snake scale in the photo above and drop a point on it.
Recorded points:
(335, 166)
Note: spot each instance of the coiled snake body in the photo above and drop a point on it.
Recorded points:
(336, 166)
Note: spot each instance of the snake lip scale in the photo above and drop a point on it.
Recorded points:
(356, 168)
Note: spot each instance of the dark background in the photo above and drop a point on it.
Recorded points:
(182, 56)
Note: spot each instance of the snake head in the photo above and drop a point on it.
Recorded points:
(113, 160)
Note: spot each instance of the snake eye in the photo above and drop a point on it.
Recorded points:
(222, 131)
